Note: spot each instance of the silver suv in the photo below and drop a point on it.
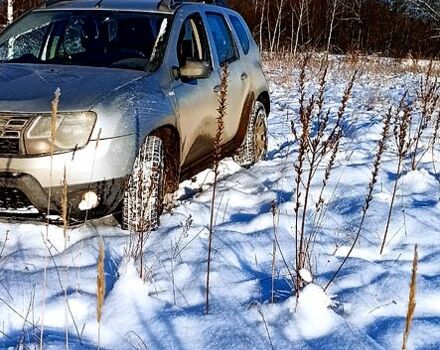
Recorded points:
(139, 84)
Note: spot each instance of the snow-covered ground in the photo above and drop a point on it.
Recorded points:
(50, 289)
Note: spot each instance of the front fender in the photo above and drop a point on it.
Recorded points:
(136, 109)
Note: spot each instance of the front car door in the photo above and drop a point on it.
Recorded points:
(195, 98)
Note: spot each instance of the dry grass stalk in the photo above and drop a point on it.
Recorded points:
(54, 119)
(53, 125)
(328, 171)
(428, 99)
(374, 64)
(369, 196)
(435, 130)
(302, 86)
(221, 115)
(275, 213)
(305, 114)
(345, 98)
(141, 231)
(317, 137)
(176, 251)
(21, 344)
(98, 139)
(433, 145)
(135, 341)
(412, 299)
(322, 87)
(66, 297)
(100, 287)
(265, 326)
(53, 129)
(274, 252)
(401, 131)
(319, 212)
(64, 208)
(3, 257)
(3, 247)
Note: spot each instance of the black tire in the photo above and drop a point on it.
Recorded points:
(254, 146)
(143, 196)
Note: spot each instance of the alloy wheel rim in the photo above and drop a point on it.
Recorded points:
(260, 138)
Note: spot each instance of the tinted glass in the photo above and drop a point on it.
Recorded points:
(222, 38)
(241, 33)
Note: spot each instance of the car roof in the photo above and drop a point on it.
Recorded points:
(132, 5)
(121, 5)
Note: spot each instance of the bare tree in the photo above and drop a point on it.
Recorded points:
(10, 11)
(302, 8)
(353, 13)
(262, 23)
(429, 10)
(277, 30)
(332, 23)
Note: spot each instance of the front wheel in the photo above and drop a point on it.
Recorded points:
(254, 146)
(143, 196)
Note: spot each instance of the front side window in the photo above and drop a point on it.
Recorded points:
(224, 43)
(193, 42)
(87, 38)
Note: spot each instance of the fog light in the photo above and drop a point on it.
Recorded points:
(89, 201)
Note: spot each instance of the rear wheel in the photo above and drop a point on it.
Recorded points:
(143, 196)
(254, 146)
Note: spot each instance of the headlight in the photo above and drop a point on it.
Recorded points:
(73, 132)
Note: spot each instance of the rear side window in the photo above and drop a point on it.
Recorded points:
(223, 41)
(241, 33)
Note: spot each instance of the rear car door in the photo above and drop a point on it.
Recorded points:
(227, 53)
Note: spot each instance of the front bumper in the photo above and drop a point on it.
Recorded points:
(101, 167)
(20, 191)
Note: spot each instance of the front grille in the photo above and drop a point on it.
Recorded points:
(11, 130)
(9, 146)
(13, 199)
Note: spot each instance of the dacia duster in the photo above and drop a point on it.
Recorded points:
(137, 84)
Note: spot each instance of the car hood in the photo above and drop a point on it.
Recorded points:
(29, 88)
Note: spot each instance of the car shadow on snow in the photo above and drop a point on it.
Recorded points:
(278, 153)
(29, 337)
(264, 207)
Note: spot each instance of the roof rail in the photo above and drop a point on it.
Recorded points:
(172, 4)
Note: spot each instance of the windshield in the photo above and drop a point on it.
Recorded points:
(87, 38)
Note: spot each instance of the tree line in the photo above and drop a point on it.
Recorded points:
(397, 28)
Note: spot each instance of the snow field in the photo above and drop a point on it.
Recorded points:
(364, 308)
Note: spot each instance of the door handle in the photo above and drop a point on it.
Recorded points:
(244, 76)
(217, 89)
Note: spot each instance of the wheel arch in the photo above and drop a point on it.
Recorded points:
(264, 98)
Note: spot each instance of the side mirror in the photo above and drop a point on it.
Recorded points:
(192, 70)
